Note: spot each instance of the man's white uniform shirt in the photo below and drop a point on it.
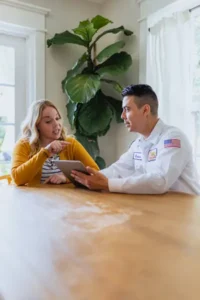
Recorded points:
(160, 163)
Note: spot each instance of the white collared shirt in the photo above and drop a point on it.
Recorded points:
(162, 162)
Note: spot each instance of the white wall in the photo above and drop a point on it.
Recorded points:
(122, 12)
(66, 14)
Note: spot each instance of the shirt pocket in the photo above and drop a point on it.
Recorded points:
(139, 166)
(138, 162)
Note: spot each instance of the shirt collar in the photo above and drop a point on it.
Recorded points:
(153, 137)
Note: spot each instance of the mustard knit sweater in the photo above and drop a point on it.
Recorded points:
(26, 170)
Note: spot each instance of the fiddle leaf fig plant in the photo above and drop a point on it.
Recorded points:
(89, 110)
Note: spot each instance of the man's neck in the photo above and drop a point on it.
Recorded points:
(149, 127)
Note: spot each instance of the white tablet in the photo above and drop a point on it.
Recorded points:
(66, 166)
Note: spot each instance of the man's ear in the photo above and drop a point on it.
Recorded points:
(146, 109)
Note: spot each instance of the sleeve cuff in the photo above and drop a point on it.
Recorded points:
(115, 185)
(45, 151)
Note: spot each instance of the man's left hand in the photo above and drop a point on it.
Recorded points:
(94, 181)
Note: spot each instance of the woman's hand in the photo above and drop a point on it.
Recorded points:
(56, 146)
(57, 179)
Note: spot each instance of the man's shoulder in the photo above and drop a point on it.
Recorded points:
(174, 134)
(169, 130)
(134, 142)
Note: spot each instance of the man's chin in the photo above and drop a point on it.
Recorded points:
(128, 128)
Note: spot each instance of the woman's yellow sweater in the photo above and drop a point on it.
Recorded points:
(26, 170)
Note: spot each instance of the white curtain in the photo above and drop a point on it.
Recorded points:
(169, 69)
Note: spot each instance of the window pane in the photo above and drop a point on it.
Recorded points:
(7, 104)
(7, 65)
(7, 141)
(5, 168)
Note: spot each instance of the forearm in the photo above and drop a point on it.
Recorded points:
(118, 170)
(153, 183)
(24, 171)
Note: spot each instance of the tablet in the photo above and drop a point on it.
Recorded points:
(66, 166)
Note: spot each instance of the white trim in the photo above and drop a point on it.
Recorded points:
(17, 30)
(28, 21)
(35, 62)
(142, 19)
(178, 6)
(25, 6)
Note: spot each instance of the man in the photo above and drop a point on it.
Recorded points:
(158, 161)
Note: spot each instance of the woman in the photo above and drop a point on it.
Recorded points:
(43, 139)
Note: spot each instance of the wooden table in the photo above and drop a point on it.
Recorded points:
(71, 244)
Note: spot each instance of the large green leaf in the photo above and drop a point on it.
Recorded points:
(100, 22)
(114, 31)
(71, 112)
(83, 87)
(94, 117)
(118, 88)
(90, 144)
(66, 37)
(110, 50)
(115, 65)
(74, 71)
(100, 162)
(86, 30)
(117, 106)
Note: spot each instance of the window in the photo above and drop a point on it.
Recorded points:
(12, 96)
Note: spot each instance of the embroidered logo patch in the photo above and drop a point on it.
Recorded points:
(137, 155)
(172, 143)
(152, 154)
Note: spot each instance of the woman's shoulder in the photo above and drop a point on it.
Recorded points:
(71, 139)
(23, 143)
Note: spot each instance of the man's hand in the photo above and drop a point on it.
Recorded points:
(94, 181)
(57, 179)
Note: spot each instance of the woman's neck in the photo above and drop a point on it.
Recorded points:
(44, 142)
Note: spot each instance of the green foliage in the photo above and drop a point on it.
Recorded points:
(89, 110)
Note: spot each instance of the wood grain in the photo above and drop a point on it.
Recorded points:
(58, 242)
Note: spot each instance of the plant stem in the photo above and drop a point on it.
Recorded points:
(95, 55)
(89, 60)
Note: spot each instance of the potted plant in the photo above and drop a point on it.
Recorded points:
(89, 110)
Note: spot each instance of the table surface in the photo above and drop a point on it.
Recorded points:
(63, 243)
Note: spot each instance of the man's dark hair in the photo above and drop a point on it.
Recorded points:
(144, 94)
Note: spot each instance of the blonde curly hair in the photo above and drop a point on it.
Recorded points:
(29, 131)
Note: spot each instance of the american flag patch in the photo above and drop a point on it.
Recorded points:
(172, 143)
